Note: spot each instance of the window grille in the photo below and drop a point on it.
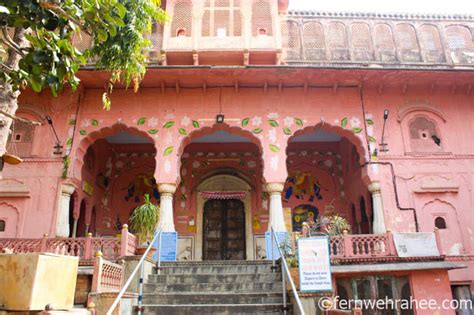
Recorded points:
(383, 37)
(360, 36)
(313, 39)
(21, 139)
(222, 18)
(291, 39)
(429, 38)
(406, 36)
(337, 35)
(261, 17)
(459, 38)
(182, 18)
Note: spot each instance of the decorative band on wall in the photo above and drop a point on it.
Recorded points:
(223, 195)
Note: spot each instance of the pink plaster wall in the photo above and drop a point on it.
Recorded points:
(431, 285)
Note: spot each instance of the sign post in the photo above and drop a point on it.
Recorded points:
(314, 264)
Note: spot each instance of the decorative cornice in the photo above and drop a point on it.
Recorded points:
(384, 16)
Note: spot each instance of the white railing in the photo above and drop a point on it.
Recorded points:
(134, 272)
(285, 273)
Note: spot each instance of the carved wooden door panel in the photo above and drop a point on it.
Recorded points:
(224, 230)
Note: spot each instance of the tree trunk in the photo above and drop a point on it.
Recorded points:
(8, 97)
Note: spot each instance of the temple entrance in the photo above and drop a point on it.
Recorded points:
(224, 230)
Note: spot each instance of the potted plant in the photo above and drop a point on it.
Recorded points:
(143, 223)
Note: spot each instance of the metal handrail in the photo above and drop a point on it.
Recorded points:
(287, 273)
(132, 275)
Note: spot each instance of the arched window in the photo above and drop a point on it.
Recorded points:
(459, 38)
(313, 38)
(290, 33)
(384, 46)
(407, 42)
(261, 17)
(337, 41)
(182, 19)
(222, 18)
(424, 135)
(2, 225)
(21, 139)
(361, 41)
(440, 223)
(431, 44)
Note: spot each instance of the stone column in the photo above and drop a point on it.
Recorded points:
(62, 219)
(276, 220)
(166, 222)
(378, 225)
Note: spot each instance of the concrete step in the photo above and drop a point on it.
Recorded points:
(213, 278)
(212, 298)
(214, 309)
(216, 268)
(214, 287)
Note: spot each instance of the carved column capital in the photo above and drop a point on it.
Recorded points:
(67, 189)
(167, 188)
(274, 188)
(374, 187)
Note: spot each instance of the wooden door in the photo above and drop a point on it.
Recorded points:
(224, 230)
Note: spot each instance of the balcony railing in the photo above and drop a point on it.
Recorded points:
(82, 247)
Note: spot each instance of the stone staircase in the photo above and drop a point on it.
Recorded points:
(214, 287)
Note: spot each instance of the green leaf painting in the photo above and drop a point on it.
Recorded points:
(153, 131)
(369, 121)
(245, 122)
(356, 130)
(69, 141)
(273, 122)
(94, 122)
(344, 122)
(299, 122)
(257, 130)
(287, 131)
(182, 131)
(274, 148)
(82, 132)
(168, 124)
(372, 139)
(141, 121)
(195, 124)
(168, 151)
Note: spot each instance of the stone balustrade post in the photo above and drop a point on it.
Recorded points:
(392, 251)
(124, 241)
(276, 220)
(379, 219)
(166, 220)
(97, 275)
(88, 250)
(347, 241)
(44, 243)
(438, 241)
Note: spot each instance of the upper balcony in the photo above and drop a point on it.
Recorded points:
(377, 40)
(230, 32)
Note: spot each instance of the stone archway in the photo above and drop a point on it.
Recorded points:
(224, 184)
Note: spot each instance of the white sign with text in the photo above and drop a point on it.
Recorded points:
(314, 264)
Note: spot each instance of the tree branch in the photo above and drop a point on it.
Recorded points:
(57, 9)
(10, 43)
(26, 121)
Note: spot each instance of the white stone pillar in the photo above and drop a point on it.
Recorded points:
(378, 225)
(166, 221)
(276, 220)
(62, 219)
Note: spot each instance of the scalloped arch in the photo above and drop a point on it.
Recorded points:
(422, 108)
(347, 134)
(204, 131)
(102, 133)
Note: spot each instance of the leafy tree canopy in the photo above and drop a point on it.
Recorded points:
(40, 34)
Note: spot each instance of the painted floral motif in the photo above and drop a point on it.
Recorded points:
(288, 121)
(272, 116)
(355, 122)
(185, 121)
(256, 121)
(153, 122)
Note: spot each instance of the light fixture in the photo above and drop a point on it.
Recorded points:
(383, 145)
(57, 147)
(219, 118)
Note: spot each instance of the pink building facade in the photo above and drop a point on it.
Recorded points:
(302, 97)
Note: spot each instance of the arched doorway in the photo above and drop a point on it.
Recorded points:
(218, 203)
(117, 171)
(324, 174)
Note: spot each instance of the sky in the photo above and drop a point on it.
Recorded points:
(385, 6)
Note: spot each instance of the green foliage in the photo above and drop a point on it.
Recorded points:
(144, 219)
(119, 30)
